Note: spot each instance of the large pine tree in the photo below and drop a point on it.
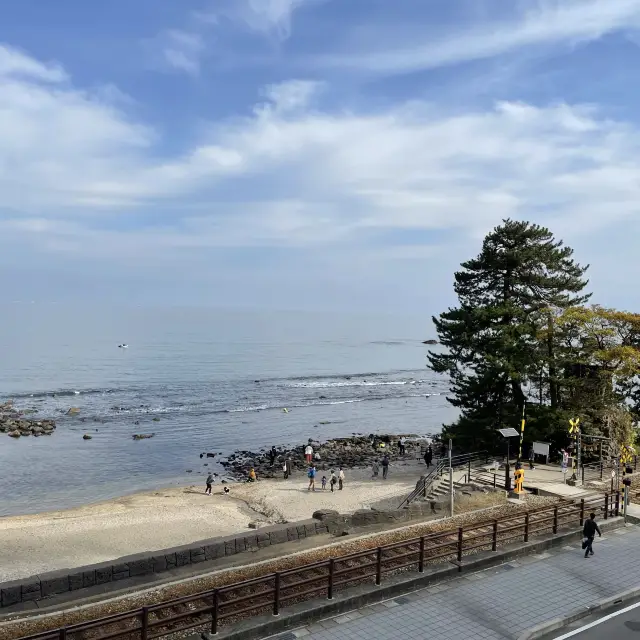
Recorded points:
(492, 351)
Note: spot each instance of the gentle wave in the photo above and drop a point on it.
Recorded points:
(201, 407)
(344, 376)
(61, 393)
(324, 403)
(356, 383)
(311, 381)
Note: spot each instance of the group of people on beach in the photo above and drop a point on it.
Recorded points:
(333, 479)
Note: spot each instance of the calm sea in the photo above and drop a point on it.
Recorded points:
(202, 380)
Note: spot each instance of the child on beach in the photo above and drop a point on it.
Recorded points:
(375, 469)
(324, 482)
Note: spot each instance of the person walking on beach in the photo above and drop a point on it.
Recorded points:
(311, 474)
(209, 483)
(375, 469)
(428, 456)
(308, 453)
(402, 443)
(589, 533)
(385, 466)
(340, 479)
(332, 480)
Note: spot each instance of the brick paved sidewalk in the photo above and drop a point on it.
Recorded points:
(500, 602)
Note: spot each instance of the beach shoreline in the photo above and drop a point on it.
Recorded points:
(153, 520)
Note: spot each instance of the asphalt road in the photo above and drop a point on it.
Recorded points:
(622, 622)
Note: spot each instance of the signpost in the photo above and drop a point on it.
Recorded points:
(574, 432)
(450, 480)
(506, 434)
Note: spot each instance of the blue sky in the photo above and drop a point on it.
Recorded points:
(333, 154)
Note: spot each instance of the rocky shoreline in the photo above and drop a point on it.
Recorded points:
(357, 451)
(16, 425)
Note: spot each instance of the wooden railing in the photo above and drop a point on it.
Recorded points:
(269, 594)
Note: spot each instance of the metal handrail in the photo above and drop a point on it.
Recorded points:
(426, 482)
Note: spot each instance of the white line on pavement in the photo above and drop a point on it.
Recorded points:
(597, 622)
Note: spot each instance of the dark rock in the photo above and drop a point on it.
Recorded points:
(323, 514)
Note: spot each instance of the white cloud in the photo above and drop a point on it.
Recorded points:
(289, 174)
(16, 63)
(549, 22)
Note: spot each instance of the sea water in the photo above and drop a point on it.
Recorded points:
(201, 380)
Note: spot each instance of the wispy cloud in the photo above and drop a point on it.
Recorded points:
(549, 22)
(267, 17)
(183, 50)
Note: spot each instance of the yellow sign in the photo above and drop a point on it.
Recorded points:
(518, 477)
(573, 426)
(625, 454)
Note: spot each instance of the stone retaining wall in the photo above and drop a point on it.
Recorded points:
(146, 564)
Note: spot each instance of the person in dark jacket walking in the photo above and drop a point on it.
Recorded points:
(589, 533)
(385, 466)
(428, 456)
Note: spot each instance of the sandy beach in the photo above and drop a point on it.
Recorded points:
(155, 520)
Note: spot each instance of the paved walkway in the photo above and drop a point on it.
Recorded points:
(501, 602)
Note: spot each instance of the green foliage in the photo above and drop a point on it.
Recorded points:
(493, 337)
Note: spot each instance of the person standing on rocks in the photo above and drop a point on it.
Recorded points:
(402, 443)
(287, 468)
(311, 474)
(340, 479)
(385, 466)
(273, 454)
(308, 453)
(209, 483)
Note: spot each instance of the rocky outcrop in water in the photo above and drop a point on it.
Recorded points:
(16, 425)
(353, 452)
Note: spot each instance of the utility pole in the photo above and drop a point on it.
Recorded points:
(450, 480)
(579, 453)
